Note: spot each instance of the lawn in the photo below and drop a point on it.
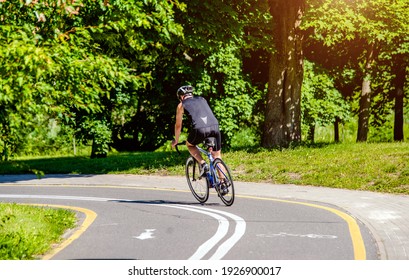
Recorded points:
(27, 232)
(382, 167)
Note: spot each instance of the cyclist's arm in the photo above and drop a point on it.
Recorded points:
(178, 123)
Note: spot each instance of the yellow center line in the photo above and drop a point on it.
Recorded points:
(354, 230)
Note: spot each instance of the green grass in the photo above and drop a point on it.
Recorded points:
(27, 232)
(373, 167)
(382, 167)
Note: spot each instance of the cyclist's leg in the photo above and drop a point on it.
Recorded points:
(194, 151)
(195, 137)
(216, 152)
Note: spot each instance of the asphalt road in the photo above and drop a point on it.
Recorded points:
(135, 219)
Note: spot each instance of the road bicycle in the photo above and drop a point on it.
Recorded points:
(218, 177)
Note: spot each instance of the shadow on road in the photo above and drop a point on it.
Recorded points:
(167, 202)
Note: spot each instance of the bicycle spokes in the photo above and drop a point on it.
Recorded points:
(198, 186)
(225, 187)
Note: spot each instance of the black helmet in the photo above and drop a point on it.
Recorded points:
(184, 90)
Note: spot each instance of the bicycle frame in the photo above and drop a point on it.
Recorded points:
(212, 179)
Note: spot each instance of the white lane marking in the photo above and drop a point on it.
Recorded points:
(203, 249)
(209, 244)
(310, 235)
(61, 197)
(239, 231)
(148, 234)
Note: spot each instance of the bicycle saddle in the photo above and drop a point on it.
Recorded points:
(210, 142)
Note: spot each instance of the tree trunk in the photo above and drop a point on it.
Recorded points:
(311, 133)
(336, 130)
(399, 70)
(365, 101)
(282, 124)
(398, 122)
(74, 145)
(364, 106)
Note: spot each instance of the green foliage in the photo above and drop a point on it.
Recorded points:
(64, 60)
(28, 231)
(105, 72)
(366, 37)
(246, 138)
(218, 37)
(100, 134)
(232, 96)
(322, 104)
(377, 21)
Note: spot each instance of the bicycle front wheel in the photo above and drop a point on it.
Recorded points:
(199, 186)
(225, 188)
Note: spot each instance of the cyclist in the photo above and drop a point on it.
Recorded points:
(203, 124)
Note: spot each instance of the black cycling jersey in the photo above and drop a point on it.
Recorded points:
(199, 112)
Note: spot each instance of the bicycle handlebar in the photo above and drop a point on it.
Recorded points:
(181, 143)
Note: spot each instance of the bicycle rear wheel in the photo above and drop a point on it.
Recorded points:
(225, 189)
(199, 186)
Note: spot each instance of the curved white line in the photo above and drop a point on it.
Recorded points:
(239, 231)
(209, 244)
(222, 230)
(61, 197)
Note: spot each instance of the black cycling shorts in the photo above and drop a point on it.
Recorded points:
(197, 136)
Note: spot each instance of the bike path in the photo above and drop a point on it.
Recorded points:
(386, 215)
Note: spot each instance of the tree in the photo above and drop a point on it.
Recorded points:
(398, 46)
(282, 124)
(63, 60)
(144, 33)
(322, 104)
(369, 31)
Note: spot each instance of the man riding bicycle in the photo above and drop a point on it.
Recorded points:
(203, 124)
